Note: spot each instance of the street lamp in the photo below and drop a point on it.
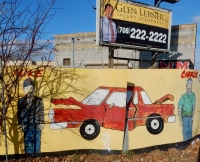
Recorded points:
(73, 40)
(43, 58)
(157, 2)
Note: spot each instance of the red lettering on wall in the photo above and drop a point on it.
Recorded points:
(29, 73)
(189, 74)
(39, 73)
(164, 65)
(184, 65)
(174, 65)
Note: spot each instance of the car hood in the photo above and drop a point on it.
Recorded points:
(67, 102)
(164, 99)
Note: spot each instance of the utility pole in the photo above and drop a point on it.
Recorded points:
(157, 4)
(154, 53)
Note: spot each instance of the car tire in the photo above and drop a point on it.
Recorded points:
(89, 130)
(154, 124)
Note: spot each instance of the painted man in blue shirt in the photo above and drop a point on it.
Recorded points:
(186, 109)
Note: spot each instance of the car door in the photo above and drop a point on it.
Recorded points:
(115, 115)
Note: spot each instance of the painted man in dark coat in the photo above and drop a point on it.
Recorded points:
(31, 118)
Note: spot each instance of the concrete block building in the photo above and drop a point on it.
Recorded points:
(84, 53)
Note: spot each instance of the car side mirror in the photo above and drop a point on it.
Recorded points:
(111, 105)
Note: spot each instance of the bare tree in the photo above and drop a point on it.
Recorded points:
(21, 33)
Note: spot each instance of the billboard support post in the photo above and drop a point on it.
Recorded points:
(110, 57)
(97, 20)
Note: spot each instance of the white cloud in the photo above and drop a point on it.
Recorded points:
(196, 19)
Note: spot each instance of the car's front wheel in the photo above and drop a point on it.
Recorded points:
(89, 130)
(154, 124)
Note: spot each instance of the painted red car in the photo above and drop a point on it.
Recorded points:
(112, 107)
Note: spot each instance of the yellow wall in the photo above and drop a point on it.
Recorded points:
(157, 83)
(79, 83)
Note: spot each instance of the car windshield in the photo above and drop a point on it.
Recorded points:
(96, 98)
(145, 98)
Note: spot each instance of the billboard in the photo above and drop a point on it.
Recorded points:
(133, 25)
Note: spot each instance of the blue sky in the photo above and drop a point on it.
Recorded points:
(74, 16)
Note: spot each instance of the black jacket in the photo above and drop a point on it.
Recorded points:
(30, 113)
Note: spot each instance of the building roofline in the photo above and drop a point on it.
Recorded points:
(86, 34)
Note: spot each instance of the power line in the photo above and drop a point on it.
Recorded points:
(94, 8)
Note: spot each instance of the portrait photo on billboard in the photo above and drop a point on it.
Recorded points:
(134, 24)
(108, 30)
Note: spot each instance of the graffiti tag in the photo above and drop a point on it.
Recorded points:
(174, 65)
(189, 74)
(29, 73)
(106, 141)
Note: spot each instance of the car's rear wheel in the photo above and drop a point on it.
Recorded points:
(89, 130)
(154, 124)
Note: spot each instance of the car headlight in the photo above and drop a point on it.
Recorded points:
(51, 115)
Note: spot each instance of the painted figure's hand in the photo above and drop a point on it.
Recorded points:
(41, 126)
(181, 123)
(192, 120)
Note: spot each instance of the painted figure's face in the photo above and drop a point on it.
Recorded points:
(189, 88)
(109, 12)
(28, 89)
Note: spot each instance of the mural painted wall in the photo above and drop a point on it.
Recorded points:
(89, 109)
(158, 83)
